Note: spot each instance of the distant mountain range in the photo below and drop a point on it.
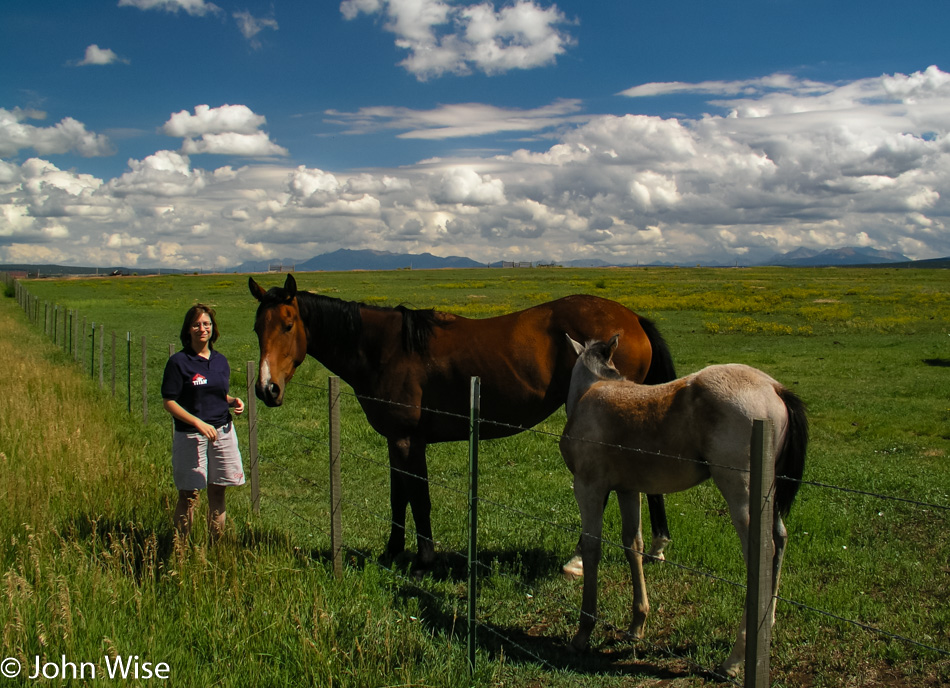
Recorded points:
(347, 259)
(849, 255)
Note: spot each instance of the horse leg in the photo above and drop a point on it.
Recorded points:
(590, 501)
(417, 483)
(409, 486)
(659, 527)
(398, 500)
(574, 568)
(779, 538)
(734, 487)
(632, 538)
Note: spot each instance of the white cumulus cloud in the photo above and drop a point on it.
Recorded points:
(99, 56)
(224, 130)
(67, 136)
(163, 174)
(777, 164)
(443, 37)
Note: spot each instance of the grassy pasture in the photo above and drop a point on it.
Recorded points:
(868, 350)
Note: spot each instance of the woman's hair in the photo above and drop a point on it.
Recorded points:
(191, 317)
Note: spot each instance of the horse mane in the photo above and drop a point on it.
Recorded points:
(416, 328)
(340, 323)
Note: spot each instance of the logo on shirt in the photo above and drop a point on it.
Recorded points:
(199, 379)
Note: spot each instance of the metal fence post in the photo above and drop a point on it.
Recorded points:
(102, 351)
(144, 383)
(759, 599)
(113, 364)
(252, 440)
(475, 420)
(128, 368)
(336, 517)
(92, 350)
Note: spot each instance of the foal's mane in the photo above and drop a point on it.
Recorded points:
(340, 323)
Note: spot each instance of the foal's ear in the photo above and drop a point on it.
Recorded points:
(257, 291)
(612, 344)
(578, 348)
(290, 286)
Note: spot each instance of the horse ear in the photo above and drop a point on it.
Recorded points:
(613, 345)
(578, 347)
(257, 291)
(290, 286)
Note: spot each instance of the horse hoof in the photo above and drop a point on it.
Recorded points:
(577, 647)
(656, 551)
(574, 569)
(732, 671)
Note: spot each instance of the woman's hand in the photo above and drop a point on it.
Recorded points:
(208, 431)
(237, 405)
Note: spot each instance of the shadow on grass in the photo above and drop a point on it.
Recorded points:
(444, 612)
(139, 548)
(937, 362)
(617, 655)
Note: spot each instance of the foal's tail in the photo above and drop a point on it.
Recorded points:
(790, 464)
(661, 365)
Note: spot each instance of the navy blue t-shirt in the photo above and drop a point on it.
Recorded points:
(199, 385)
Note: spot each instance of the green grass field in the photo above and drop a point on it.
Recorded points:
(91, 566)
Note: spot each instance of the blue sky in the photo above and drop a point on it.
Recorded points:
(191, 134)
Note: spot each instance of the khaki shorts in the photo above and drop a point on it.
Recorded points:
(198, 462)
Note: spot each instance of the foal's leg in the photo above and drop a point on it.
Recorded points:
(574, 568)
(632, 538)
(734, 486)
(590, 501)
(779, 538)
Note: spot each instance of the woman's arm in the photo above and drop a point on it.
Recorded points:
(179, 413)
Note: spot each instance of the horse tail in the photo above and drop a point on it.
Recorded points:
(790, 464)
(661, 364)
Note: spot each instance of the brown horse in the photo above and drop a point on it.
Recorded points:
(411, 372)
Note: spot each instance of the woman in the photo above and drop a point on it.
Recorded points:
(205, 451)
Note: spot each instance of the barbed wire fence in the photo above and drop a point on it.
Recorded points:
(487, 568)
(85, 343)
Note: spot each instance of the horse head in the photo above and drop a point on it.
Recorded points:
(282, 337)
(594, 363)
(597, 357)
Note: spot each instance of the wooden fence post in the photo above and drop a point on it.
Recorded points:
(759, 599)
(252, 440)
(336, 516)
(475, 422)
